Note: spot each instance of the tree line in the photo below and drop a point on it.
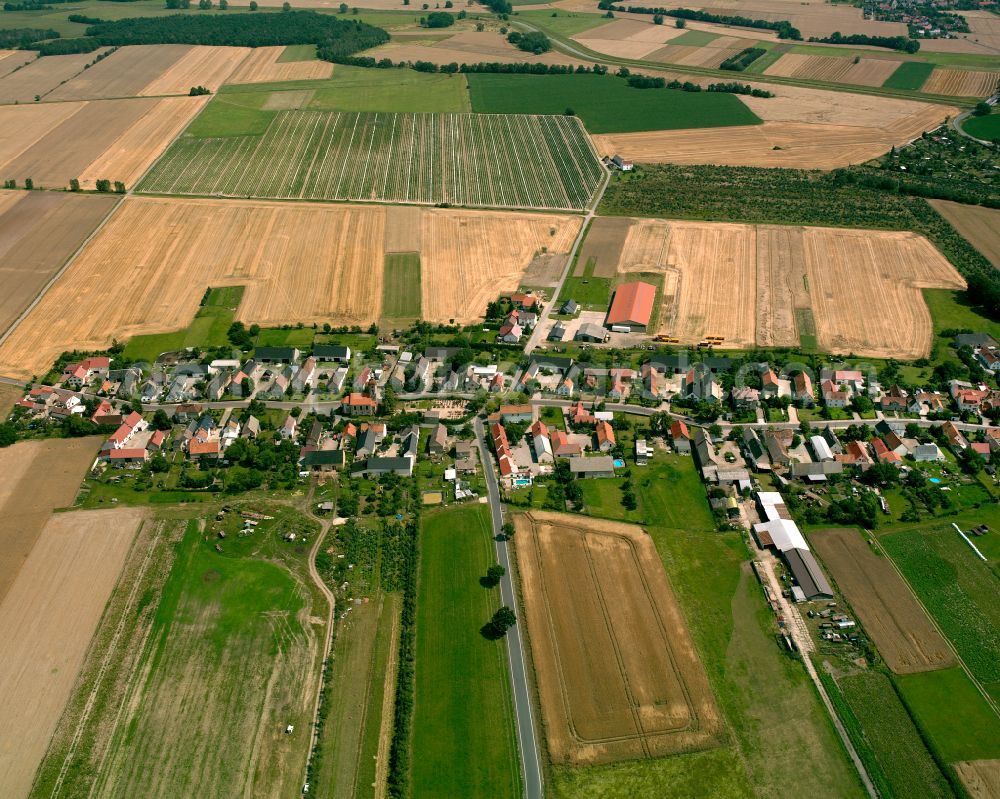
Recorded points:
(901, 43)
(782, 27)
(742, 59)
(478, 67)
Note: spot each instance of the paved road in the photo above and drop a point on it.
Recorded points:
(527, 742)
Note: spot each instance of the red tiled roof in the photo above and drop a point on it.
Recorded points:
(633, 303)
(203, 447)
(679, 430)
(605, 433)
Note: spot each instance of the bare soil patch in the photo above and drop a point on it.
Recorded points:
(122, 74)
(981, 778)
(141, 143)
(39, 231)
(403, 228)
(41, 76)
(202, 65)
(618, 674)
(46, 622)
(961, 83)
(262, 66)
(981, 226)
(604, 243)
(35, 478)
(891, 615)
(68, 149)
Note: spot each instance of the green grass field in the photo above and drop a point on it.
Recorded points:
(605, 103)
(222, 647)
(909, 75)
(892, 740)
(950, 310)
(301, 337)
(401, 286)
(565, 23)
(960, 590)
(298, 52)
(695, 38)
(460, 159)
(952, 714)
(207, 329)
(463, 725)
(986, 127)
(591, 293)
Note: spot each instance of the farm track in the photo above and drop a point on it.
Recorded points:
(481, 160)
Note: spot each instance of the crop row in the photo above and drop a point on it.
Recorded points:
(489, 160)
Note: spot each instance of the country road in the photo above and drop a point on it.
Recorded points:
(527, 742)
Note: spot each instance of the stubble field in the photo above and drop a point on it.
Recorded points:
(746, 283)
(201, 65)
(262, 66)
(13, 59)
(961, 83)
(146, 271)
(463, 159)
(125, 73)
(42, 76)
(981, 226)
(39, 231)
(46, 623)
(618, 674)
(900, 628)
(867, 72)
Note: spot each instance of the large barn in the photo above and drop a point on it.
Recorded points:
(632, 306)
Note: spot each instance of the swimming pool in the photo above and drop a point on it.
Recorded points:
(520, 482)
(619, 463)
(934, 480)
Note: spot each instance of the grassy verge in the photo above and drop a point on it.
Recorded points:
(605, 103)
(463, 725)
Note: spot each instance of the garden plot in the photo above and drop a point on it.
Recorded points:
(486, 160)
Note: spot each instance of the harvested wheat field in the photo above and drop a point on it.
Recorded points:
(403, 228)
(981, 226)
(202, 65)
(618, 674)
(981, 778)
(867, 72)
(35, 477)
(469, 257)
(603, 245)
(67, 150)
(134, 151)
(626, 38)
(8, 396)
(146, 270)
(865, 290)
(122, 74)
(961, 83)
(13, 59)
(750, 284)
(46, 623)
(904, 635)
(262, 66)
(42, 75)
(39, 231)
(21, 126)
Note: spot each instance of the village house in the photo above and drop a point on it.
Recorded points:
(86, 371)
(802, 389)
(524, 301)
(277, 355)
(562, 447)
(927, 452)
(699, 383)
(437, 444)
(605, 436)
(590, 468)
(680, 437)
(895, 400)
(331, 353)
(954, 436)
(833, 396)
(540, 442)
(515, 414)
(356, 404)
(505, 459)
(580, 415)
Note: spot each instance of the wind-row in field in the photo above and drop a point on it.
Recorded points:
(618, 673)
(463, 159)
(747, 283)
(149, 266)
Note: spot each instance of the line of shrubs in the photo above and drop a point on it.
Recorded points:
(742, 59)
(782, 27)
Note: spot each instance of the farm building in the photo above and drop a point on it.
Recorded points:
(269, 355)
(558, 332)
(591, 332)
(323, 460)
(332, 352)
(632, 306)
(592, 467)
(807, 574)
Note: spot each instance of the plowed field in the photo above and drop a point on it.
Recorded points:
(898, 625)
(618, 674)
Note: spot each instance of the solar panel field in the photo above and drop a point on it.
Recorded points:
(482, 160)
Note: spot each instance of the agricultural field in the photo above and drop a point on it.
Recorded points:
(39, 231)
(198, 640)
(802, 128)
(15, 59)
(401, 286)
(42, 75)
(867, 72)
(38, 477)
(627, 38)
(981, 226)
(617, 678)
(961, 83)
(892, 738)
(463, 47)
(370, 156)
(265, 65)
(326, 266)
(748, 284)
(898, 625)
(605, 103)
(463, 723)
(911, 75)
(958, 589)
(201, 65)
(981, 778)
(47, 620)
(125, 73)
(986, 127)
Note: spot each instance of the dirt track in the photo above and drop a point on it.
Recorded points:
(46, 623)
(905, 637)
(618, 674)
